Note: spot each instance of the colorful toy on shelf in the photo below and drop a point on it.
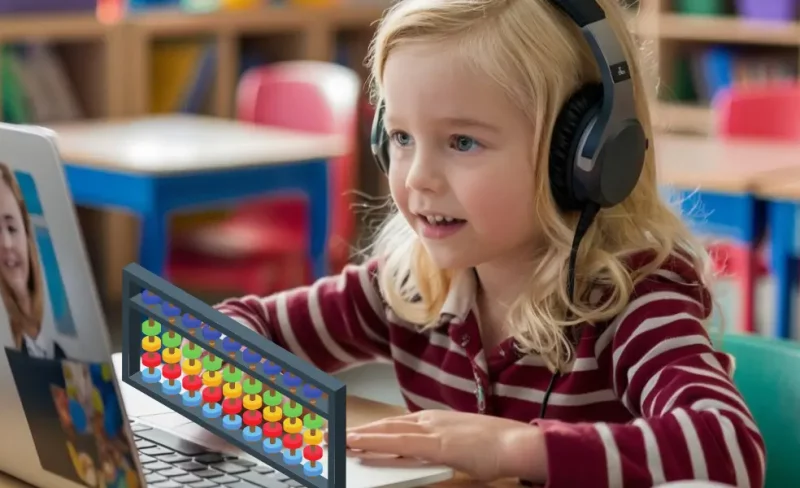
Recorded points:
(233, 382)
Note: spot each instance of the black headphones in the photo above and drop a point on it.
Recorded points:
(598, 144)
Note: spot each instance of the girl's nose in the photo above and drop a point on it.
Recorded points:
(424, 175)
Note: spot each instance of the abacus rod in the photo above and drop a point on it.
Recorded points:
(231, 327)
(321, 406)
(337, 441)
(270, 459)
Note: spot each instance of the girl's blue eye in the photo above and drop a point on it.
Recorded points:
(464, 143)
(400, 138)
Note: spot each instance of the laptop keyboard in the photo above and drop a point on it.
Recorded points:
(171, 462)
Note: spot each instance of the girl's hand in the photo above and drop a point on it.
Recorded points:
(484, 447)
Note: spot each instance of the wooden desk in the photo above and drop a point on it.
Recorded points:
(715, 165)
(359, 411)
(154, 166)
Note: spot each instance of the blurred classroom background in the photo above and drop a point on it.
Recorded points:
(148, 96)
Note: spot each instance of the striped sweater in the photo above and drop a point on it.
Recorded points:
(648, 399)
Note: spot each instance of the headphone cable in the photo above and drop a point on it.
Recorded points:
(585, 221)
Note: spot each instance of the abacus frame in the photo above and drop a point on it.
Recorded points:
(136, 279)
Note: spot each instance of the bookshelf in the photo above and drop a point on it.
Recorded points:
(671, 37)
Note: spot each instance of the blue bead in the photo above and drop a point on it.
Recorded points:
(293, 459)
(153, 377)
(173, 389)
(253, 435)
(312, 471)
(272, 446)
(190, 400)
(212, 410)
(232, 424)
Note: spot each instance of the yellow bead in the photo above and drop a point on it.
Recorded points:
(252, 402)
(171, 355)
(212, 378)
(192, 367)
(271, 416)
(292, 426)
(151, 344)
(232, 390)
(313, 437)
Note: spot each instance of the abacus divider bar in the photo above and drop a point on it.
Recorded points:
(175, 404)
(131, 333)
(337, 441)
(321, 406)
(231, 328)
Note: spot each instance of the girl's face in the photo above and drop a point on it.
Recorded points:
(461, 170)
(14, 260)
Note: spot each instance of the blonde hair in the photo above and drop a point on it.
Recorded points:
(540, 58)
(20, 319)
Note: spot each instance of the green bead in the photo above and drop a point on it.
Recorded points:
(231, 374)
(171, 339)
(151, 328)
(273, 398)
(192, 351)
(313, 421)
(292, 410)
(212, 363)
(252, 387)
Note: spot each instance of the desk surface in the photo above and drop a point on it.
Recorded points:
(182, 143)
(709, 163)
(359, 411)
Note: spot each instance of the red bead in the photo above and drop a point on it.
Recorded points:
(312, 453)
(192, 382)
(252, 418)
(273, 429)
(212, 394)
(292, 441)
(232, 406)
(171, 371)
(151, 359)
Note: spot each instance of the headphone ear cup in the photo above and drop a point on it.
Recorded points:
(569, 126)
(379, 140)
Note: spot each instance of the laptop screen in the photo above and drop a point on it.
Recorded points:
(64, 387)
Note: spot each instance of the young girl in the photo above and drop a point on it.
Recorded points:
(469, 291)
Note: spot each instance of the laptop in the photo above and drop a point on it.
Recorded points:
(67, 418)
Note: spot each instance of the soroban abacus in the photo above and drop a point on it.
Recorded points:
(232, 381)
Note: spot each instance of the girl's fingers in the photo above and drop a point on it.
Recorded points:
(423, 446)
(390, 426)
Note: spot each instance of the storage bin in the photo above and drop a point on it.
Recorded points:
(767, 9)
(44, 6)
(702, 7)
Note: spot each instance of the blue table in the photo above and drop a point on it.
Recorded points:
(155, 166)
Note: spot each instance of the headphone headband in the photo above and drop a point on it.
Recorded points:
(598, 145)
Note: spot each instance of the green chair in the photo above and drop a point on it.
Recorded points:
(768, 376)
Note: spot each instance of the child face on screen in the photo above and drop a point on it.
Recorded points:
(14, 261)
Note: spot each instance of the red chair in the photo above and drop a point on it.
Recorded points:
(262, 247)
(763, 111)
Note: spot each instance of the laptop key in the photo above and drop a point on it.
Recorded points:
(144, 459)
(143, 444)
(208, 473)
(262, 480)
(158, 466)
(173, 458)
(209, 458)
(172, 472)
(262, 469)
(224, 479)
(243, 462)
(203, 484)
(155, 451)
(139, 428)
(173, 442)
(190, 466)
(167, 484)
(189, 478)
(229, 467)
(154, 478)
